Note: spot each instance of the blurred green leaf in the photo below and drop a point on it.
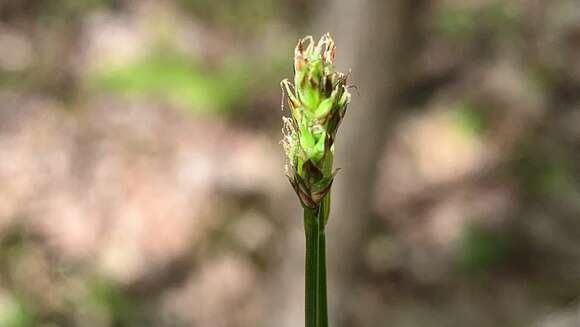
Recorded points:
(454, 23)
(14, 312)
(470, 119)
(539, 174)
(105, 297)
(174, 78)
(480, 250)
(460, 23)
(241, 16)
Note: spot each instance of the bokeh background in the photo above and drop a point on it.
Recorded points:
(142, 184)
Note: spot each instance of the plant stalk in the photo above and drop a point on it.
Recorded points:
(318, 100)
(316, 307)
(311, 229)
(322, 298)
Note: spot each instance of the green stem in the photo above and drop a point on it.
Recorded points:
(323, 214)
(315, 266)
(311, 266)
(316, 308)
(322, 306)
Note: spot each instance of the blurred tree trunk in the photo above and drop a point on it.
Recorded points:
(378, 40)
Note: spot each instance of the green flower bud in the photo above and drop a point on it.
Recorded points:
(318, 101)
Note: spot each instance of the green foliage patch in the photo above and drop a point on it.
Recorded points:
(175, 78)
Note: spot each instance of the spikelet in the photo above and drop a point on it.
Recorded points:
(318, 100)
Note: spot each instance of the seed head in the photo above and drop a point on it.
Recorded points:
(318, 100)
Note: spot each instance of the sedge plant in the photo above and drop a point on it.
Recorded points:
(318, 99)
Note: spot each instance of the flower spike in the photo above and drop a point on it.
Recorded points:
(318, 100)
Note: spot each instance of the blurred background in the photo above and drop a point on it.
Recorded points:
(142, 184)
